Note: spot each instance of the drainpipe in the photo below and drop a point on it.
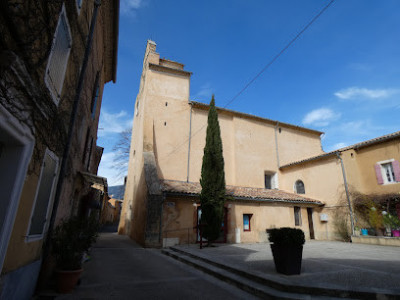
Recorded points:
(71, 126)
(160, 233)
(276, 144)
(347, 192)
(190, 139)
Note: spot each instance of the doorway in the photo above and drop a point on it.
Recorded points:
(310, 222)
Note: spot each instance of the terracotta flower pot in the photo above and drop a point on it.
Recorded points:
(67, 280)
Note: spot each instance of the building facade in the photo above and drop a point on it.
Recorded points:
(55, 57)
(276, 173)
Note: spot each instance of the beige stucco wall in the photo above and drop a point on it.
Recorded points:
(323, 180)
(165, 122)
(180, 218)
(360, 163)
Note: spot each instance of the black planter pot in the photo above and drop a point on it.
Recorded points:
(287, 259)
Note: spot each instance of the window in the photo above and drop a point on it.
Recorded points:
(44, 195)
(16, 145)
(246, 222)
(297, 216)
(58, 58)
(95, 96)
(299, 187)
(387, 171)
(270, 180)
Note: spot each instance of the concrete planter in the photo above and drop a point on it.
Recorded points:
(287, 259)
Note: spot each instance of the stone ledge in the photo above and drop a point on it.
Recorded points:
(376, 240)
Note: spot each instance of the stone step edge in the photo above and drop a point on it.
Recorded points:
(255, 288)
(308, 290)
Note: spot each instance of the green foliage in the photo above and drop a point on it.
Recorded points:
(286, 236)
(71, 239)
(341, 224)
(212, 180)
(375, 217)
(391, 221)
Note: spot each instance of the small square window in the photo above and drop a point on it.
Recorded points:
(297, 216)
(247, 222)
(270, 180)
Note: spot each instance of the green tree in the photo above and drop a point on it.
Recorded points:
(212, 180)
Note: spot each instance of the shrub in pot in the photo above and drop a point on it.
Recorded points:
(287, 249)
(70, 240)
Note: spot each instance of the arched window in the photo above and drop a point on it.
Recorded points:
(299, 187)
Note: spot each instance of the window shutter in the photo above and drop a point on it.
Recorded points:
(378, 173)
(396, 170)
(59, 57)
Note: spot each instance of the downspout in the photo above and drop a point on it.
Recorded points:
(160, 233)
(190, 139)
(276, 145)
(347, 192)
(71, 126)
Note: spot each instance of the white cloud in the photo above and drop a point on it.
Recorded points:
(357, 93)
(205, 92)
(320, 117)
(129, 7)
(339, 145)
(113, 123)
(107, 169)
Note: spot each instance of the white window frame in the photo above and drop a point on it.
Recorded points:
(383, 172)
(35, 237)
(56, 98)
(11, 126)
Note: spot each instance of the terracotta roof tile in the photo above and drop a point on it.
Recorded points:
(238, 192)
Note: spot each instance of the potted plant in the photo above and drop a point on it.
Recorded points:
(70, 240)
(393, 222)
(287, 249)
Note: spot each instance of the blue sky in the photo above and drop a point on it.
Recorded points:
(342, 76)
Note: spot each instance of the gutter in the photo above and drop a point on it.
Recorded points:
(276, 144)
(347, 192)
(246, 199)
(190, 139)
(116, 35)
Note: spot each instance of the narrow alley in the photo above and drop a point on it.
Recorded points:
(120, 269)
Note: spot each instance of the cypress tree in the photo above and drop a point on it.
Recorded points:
(212, 179)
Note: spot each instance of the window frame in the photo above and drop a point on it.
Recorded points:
(21, 136)
(249, 216)
(383, 174)
(56, 98)
(273, 180)
(298, 219)
(296, 189)
(35, 237)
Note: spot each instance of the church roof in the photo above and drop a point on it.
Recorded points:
(238, 193)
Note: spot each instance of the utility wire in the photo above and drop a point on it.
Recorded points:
(280, 53)
(262, 70)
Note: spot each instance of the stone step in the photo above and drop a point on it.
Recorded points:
(277, 286)
(241, 281)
